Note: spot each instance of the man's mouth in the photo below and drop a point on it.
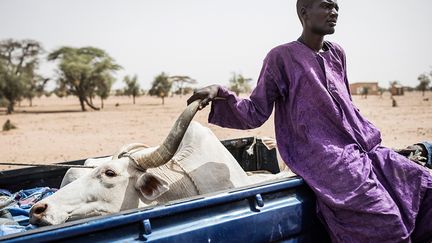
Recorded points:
(332, 23)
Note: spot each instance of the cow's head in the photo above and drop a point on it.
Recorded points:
(114, 185)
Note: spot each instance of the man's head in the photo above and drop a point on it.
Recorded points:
(318, 16)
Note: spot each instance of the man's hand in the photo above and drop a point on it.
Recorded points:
(206, 94)
(416, 153)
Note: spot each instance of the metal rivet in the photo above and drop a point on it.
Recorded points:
(259, 200)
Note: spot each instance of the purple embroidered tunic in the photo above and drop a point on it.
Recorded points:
(365, 192)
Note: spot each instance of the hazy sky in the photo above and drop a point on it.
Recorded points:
(208, 40)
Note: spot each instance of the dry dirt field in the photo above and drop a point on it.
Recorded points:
(55, 130)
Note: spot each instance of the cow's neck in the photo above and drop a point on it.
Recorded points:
(180, 185)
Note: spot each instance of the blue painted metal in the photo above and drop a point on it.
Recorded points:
(286, 212)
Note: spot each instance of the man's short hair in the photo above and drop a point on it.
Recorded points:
(303, 4)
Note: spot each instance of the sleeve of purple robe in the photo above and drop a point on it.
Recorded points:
(247, 113)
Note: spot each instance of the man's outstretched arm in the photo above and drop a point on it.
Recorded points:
(229, 110)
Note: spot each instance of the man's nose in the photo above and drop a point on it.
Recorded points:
(334, 13)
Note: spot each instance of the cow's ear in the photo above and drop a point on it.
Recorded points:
(151, 186)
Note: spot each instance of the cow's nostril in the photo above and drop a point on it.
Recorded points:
(40, 208)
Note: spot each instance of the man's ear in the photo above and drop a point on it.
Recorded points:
(151, 186)
(303, 14)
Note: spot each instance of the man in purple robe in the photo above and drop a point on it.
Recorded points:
(365, 192)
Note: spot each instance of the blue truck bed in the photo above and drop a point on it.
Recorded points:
(280, 211)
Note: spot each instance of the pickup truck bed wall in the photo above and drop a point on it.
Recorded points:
(279, 211)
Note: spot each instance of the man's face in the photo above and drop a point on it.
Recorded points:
(321, 16)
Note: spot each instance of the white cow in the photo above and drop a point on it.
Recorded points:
(137, 176)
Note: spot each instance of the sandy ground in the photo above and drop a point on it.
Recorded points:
(55, 130)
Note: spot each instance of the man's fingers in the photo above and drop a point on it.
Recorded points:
(206, 94)
(405, 152)
(204, 103)
(194, 97)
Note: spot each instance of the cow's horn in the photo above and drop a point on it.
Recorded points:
(167, 149)
(128, 148)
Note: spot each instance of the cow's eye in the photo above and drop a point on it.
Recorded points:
(110, 173)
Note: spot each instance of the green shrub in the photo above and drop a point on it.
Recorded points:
(8, 126)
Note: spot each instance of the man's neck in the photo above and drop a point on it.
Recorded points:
(313, 41)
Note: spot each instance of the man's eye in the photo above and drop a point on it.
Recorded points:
(327, 6)
(110, 173)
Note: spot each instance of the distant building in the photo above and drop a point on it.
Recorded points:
(396, 89)
(360, 88)
(408, 88)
